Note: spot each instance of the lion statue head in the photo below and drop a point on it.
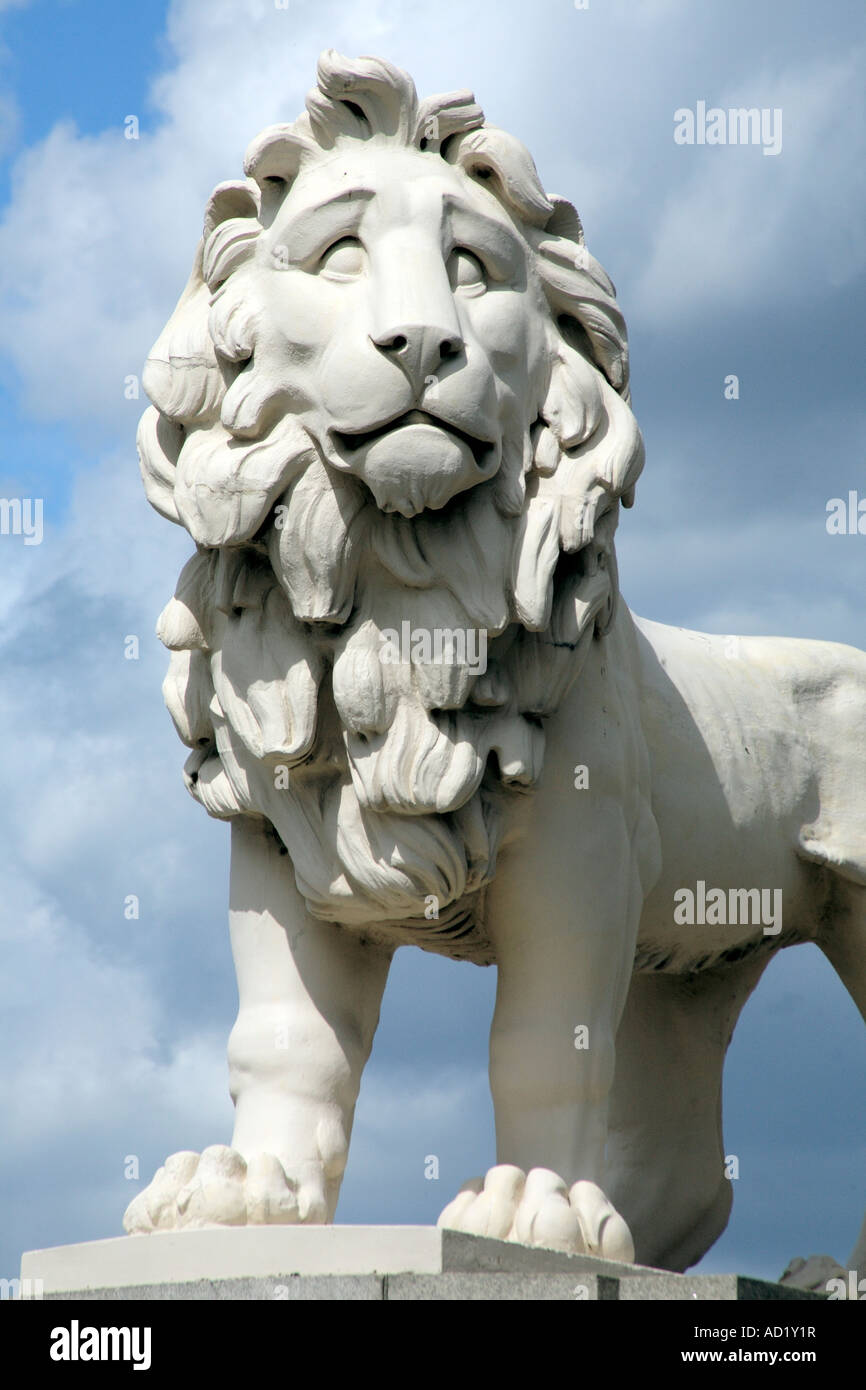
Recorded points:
(391, 409)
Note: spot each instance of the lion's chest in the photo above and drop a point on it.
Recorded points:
(459, 932)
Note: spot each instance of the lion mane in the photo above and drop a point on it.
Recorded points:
(385, 782)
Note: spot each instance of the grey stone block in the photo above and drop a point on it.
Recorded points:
(463, 1253)
(716, 1287)
(463, 1288)
(289, 1288)
(454, 1287)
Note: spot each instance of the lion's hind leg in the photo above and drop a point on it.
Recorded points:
(843, 940)
(666, 1158)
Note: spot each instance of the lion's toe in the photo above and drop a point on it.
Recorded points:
(215, 1194)
(453, 1216)
(603, 1230)
(486, 1206)
(538, 1209)
(544, 1217)
(155, 1209)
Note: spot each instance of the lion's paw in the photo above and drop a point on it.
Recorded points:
(539, 1209)
(812, 1274)
(222, 1188)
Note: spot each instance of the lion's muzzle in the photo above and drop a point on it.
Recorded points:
(417, 461)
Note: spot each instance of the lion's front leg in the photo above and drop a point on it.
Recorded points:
(310, 994)
(309, 998)
(563, 915)
(552, 1052)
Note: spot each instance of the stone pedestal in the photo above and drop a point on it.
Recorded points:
(376, 1263)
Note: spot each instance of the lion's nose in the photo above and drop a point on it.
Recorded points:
(418, 350)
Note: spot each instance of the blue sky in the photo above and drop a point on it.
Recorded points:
(726, 261)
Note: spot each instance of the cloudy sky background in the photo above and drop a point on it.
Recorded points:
(726, 261)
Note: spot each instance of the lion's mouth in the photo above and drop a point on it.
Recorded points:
(483, 450)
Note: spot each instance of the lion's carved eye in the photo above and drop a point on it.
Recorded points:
(465, 271)
(344, 260)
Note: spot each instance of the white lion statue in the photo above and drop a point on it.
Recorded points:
(391, 408)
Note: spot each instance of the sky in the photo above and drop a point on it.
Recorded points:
(727, 260)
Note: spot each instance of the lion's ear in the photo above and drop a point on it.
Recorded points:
(272, 160)
(490, 153)
(234, 198)
(276, 153)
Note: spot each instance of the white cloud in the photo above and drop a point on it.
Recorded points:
(649, 12)
(405, 1116)
(9, 110)
(82, 1045)
(755, 573)
(749, 229)
(9, 121)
